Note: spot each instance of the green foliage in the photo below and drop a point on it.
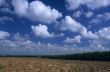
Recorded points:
(93, 56)
(99, 56)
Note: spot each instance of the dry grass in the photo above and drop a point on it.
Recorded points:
(48, 65)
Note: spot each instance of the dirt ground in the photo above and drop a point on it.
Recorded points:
(13, 64)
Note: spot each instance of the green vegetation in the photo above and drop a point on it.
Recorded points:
(93, 56)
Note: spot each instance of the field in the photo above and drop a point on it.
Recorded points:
(15, 64)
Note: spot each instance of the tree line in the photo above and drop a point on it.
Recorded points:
(92, 56)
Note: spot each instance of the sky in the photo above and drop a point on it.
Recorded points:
(50, 27)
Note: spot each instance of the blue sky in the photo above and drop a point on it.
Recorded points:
(30, 27)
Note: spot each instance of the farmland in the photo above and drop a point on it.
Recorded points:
(32, 64)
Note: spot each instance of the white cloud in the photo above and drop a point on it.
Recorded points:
(100, 17)
(20, 6)
(105, 16)
(59, 35)
(104, 33)
(99, 45)
(41, 31)
(88, 34)
(36, 11)
(77, 14)
(4, 19)
(95, 21)
(92, 4)
(74, 4)
(4, 34)
(76, 39)
(1, 2)
(70, 24)
(89, 14)
(5, 4)
(20, 45)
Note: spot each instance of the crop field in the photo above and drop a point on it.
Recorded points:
(27, 64)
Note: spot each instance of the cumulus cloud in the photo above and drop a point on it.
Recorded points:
(105, 16)
(92, 4)
(99, 45)
(100, 17)
(5, 4)
(74, 4)
(22, 45)
(98, 4)
(77, 14)
(36, 11)
(4, 34)
(76, 39)
(95, 21)
(20, 6)
(88, 34)
(4, 19)
(41, 31)
(18, 44)
(1, 2)
(104, 33)
(70, 24)
(89, 14)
